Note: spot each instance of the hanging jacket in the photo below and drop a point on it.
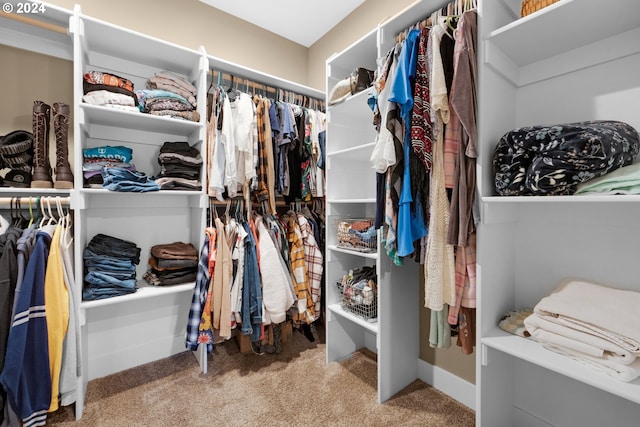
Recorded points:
(26, 376)
(251, 289)
(276, 280)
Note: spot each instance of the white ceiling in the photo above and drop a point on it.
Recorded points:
(302, 21)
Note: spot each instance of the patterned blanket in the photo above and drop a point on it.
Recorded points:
(553, 160)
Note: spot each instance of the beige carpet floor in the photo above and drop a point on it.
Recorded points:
(294, 388)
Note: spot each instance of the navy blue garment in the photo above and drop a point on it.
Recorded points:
(251, 290)
(26, 376)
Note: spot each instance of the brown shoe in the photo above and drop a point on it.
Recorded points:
(41, 167)
(64, 176)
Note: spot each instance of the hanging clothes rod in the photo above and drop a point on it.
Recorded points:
(34, 22)
(284, 95)
(456, 7)
(24, 200)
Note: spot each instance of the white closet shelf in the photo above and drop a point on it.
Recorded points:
(354, 201)
(354, 109)
(575, 198)
(120, 42)
(370, 325)
(370, 255)
(567, 24)
(160, 193)
(533, 352)
(356, 153)
(34, 192)
(104, 116)
(340, 65)
(144, 291)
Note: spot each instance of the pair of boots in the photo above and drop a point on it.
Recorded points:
(41, 166)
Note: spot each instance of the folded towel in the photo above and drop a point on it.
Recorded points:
(611, 314)
(619, 371)
(582, 343)
(625, 180)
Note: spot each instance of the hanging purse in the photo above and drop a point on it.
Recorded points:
(361, 78)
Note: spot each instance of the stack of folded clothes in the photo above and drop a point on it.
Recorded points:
(109, 90)
(594, 324)
(180, 167)
(171, 264)
(110, 267)
(169, 94)
(98, 158)
(125, 180)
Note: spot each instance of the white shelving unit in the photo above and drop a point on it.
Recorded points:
(558, 65)
(125, 331)
(121, 332)
(350, 141)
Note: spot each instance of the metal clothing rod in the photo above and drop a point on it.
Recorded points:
(24, 200)
(285, 95)
(34, 22)
(454, 7)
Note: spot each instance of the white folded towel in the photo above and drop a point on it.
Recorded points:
(595, 324)
(582, 343)
(619, 371)
(609, 313)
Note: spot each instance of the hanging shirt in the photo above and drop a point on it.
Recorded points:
(464, 102)
(305, 307)
(216, 158)
(198, 301)
(238, 256)
(439, 267)
(227, 137)
(71, 368)
(56, 299)
(245, 137)
(314, 260)
(251, 289)
(222, 276)
(410, 218)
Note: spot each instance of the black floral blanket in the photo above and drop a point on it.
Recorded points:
(553, 160)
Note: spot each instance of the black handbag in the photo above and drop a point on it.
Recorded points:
(361, 78)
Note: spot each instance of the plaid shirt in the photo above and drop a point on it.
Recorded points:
(198, 300)
(299, 275)
(313, 259)
(465, 279)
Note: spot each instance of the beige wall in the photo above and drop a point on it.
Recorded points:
(191, 23)
(360, 22)
(451, 359)
(26, 77)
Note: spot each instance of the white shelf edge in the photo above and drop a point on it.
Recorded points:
(339, 311)
(576, 198)
(352, 149)
(533, 352)
(524, 20)
(337, 201)
(159, 193)
(370, 255)
(144, 292)
(99, 115)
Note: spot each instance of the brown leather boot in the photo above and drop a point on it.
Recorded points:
(64, 176)
(41, 166)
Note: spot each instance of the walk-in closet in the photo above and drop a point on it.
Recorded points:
(351, 212)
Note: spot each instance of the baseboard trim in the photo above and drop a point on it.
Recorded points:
(451, 385)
